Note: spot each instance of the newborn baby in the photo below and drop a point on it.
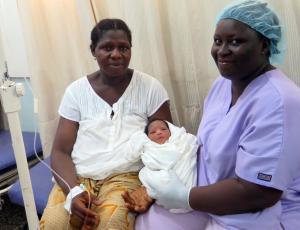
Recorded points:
(167, 147)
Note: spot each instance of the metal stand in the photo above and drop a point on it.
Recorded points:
(9, 95)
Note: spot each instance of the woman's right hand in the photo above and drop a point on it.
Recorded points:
(81, 213)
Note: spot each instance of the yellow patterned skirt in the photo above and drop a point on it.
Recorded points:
(112, 212)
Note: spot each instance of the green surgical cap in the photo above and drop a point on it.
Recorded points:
(258, 16)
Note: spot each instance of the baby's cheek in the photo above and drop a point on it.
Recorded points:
(151, 137)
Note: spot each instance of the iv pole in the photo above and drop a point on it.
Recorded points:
(9, 96)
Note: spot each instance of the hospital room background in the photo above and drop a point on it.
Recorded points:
(45, 45)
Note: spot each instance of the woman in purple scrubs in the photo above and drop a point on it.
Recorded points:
(249, 162)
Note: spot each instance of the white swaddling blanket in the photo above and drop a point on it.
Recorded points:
(179, 154)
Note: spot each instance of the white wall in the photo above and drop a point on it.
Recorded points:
(14, 51)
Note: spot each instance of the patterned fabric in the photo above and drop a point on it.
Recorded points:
(112, 212)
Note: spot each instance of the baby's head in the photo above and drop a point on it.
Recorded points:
(158, 131)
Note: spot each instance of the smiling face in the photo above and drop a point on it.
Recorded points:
(158, 132)
(113, 53)
(238, 50)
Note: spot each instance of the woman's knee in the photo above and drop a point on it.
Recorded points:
(54, 218)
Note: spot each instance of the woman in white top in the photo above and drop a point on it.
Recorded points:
(98, 114)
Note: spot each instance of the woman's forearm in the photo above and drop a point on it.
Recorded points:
(233, 196)
(62, 164)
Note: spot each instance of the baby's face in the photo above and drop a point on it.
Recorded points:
(158, 132)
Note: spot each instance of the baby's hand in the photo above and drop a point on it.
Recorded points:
(138, 200)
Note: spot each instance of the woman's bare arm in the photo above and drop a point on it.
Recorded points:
(62, 163)
(61, 160)
(233, 196)
(163, 112)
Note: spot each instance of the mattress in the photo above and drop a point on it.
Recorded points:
(8, 171)
(41, 184)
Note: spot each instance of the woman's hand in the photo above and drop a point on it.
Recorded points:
(138, 200)
(82, 215)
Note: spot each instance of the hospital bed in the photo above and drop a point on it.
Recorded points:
(8, 169)
(41, 184)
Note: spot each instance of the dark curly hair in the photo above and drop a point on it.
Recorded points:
(152, 120)
(105, 25)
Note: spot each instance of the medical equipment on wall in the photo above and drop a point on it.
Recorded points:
(10, 93)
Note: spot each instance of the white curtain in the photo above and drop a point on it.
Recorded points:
(58, 53)
(171, 41)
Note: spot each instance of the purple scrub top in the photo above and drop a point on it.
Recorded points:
(257, 139)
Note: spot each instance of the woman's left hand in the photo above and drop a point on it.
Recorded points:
(170, 193)
(138, 200)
